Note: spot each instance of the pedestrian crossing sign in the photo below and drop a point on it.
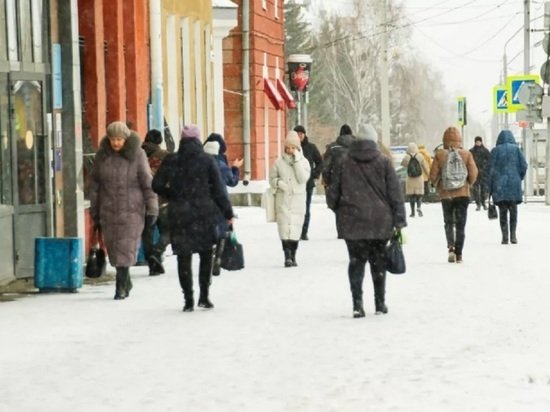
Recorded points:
(513, 84)
(500, 99)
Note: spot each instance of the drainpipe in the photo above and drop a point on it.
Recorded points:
(246, 90)
(155, 49)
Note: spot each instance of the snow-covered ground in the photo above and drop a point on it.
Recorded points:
(458, 337)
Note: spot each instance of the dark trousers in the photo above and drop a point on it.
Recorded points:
(361, 251)
(415, 200)
(185, 272)
(479, 193)
(150, 247)
(506, 209)
(309, 195)
(455, 213)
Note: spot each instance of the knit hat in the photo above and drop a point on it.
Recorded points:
(153, 136)
(300, 129)
(478, 139)
(345, 130)
(292, 139)
(216, 137)
(367, 132)
(191, 131)
(118, 129)
(212, 148)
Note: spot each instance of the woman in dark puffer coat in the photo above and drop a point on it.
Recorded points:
(506, 171)
(191, 182)
(122, 200)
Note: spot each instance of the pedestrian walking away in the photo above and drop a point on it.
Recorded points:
(416, 167)
(366, 197)
(154, 248)
(313, 156)
(482, 157)
(197, 201)
(122, 201)
(507, 169)
(453, 201)
(288, 177)
(428, 161)
(334, 152)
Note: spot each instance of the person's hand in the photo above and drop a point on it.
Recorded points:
(150, 220)
(281, 184)
(237, 163)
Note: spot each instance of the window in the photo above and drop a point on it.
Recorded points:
(186, 69)
(37, 11)
(11, 19)
(264, 4)
(276, 8)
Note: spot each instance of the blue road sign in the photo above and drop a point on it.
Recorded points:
(513, 84)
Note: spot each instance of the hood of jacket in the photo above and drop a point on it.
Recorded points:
(452, 138)
(345, 140)
(506, 136)
(189, 148)
(364, 150)
(128, 151)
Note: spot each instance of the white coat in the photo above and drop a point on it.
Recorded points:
(288, 177)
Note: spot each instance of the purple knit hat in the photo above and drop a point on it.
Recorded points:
(191, 131)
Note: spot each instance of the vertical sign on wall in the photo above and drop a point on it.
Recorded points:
(56, 77)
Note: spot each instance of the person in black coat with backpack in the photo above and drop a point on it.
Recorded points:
(191, 182)
(312, 154)
(482, 157)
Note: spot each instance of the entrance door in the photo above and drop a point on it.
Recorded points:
(31, 182)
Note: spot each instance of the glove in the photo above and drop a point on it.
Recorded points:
(97, 224)
(150, 220)
(281, 184)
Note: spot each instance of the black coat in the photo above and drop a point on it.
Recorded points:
(482, 157)
(333, 154)
(313, 156)
(365, 194)
(197, 203)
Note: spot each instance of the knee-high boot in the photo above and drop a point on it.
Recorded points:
(356, 273)
(205, 279)
(379, 284)
(513, 223)
(123, 282)
(288, 253)
(503, 214)
(185, 276)
(293, 248)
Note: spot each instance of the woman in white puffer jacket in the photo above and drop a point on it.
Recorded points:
(288, 177)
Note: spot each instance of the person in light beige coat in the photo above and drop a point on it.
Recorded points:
(288, 177)
(414, 186)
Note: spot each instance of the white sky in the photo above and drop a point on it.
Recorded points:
(464, 39)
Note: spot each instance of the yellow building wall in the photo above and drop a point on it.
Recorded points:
(174, 13)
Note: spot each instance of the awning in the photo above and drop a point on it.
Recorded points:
(276, 99)
(281, 87)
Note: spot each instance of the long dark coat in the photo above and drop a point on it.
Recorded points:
(120, 196)
(313, 156)
(366, 207)
(482, 157)
(197, 203)
(334, 151)
(507, 169)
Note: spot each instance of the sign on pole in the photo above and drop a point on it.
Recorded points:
(513, 84)
(462, 117)
(500, 99)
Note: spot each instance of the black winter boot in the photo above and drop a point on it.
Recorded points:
(358, 310)
(379, 282)
(186, 281)
(205, 269)
(293, 248)
(122, 275)
(288, 253)
(204, 302)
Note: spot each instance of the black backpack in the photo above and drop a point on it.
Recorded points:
(414, 169)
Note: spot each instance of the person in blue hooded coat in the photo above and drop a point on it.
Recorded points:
(506, 171)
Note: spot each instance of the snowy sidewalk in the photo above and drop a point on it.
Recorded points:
(458, 337)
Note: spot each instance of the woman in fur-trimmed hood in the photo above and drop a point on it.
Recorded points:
(121, 197)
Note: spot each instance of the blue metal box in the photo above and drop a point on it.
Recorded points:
(58, 264)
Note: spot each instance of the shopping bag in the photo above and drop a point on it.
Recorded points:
(268, 203)
(232, 256)
(395, 259)
(97, 259)
(492, 210)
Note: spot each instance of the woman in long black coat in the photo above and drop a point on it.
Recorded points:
(191, 182)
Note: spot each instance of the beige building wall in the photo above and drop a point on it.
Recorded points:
(187, 64)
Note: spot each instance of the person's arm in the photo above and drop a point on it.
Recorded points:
(145, 178)
(317, 162)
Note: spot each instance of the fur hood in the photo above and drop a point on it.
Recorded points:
(128, 151)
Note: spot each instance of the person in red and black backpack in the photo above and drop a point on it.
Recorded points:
(153, 250)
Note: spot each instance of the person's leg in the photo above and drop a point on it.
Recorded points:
(483, 193)
(476, 191)
(376, 250)
(307, 216)
(419, 205)
(503, 219)
(513, 207)
(205, 278)
(449, 223)
(147, 240)
(356, 273)
(461, 216)
(123, 282)
(185, 276)
(163, 225)
(287, 250)
(293, 244)
(412, 203)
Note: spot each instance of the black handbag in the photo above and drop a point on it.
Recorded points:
(492, 211)
(232, 256)
(395, 259)
(97, 259)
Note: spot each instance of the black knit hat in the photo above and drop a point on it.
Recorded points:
(345, 130)
(478, 139)
(153, 136)
(300, 129)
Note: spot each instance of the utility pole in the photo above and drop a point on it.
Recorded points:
(526, 69)
(547, 159)
(384, 82)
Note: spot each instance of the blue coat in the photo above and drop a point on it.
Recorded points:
(507, 169)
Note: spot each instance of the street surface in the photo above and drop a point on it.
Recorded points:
(458, 337)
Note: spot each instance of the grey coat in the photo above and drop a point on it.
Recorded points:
(121, 196)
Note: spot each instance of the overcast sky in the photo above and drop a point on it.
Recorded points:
(465, 39)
